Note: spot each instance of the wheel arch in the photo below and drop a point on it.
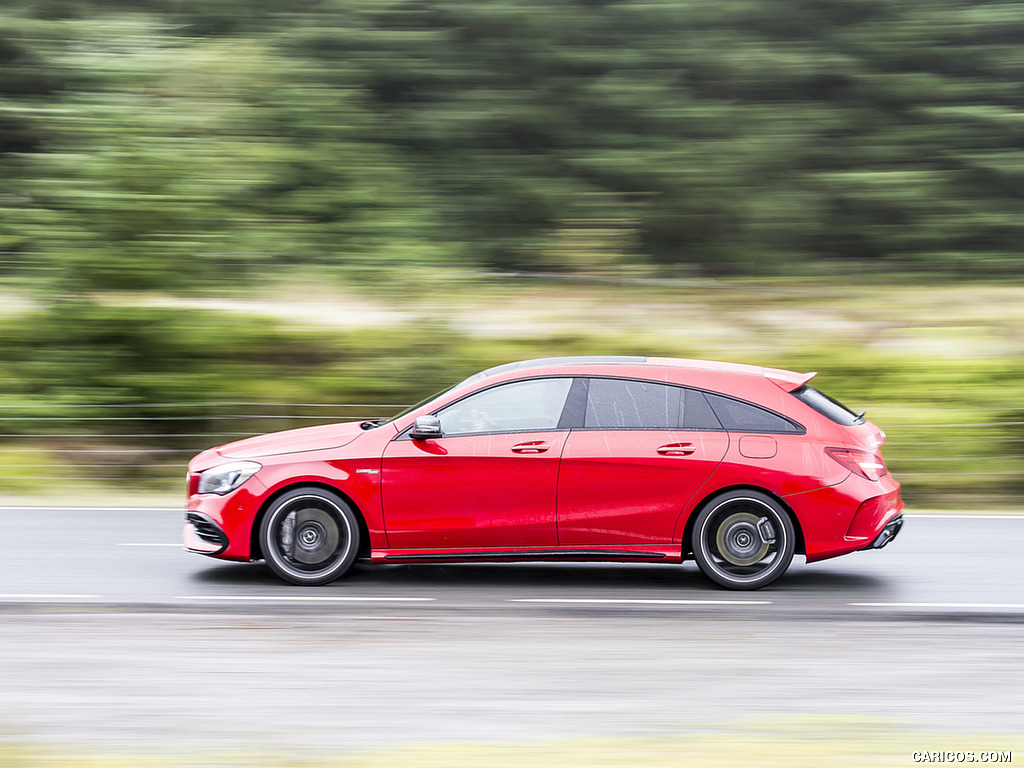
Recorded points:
(256, 553)
(800, 545)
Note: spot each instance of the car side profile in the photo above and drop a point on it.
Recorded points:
(615, 459)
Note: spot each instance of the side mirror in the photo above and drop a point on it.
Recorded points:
(426, 428)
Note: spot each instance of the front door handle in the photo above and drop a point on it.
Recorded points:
(534, 446)
(676, 449)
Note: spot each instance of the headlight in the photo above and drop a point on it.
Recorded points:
(227, 477)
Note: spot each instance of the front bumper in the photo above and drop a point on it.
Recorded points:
(221, 526)
(201, 534)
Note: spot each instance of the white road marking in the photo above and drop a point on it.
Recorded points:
(312, 598)
(632, 601)
(954, 516)
(33, 508)
(999, 606)
(178, 544)
(30, 596)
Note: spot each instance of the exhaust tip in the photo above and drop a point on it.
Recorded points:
(892, 528)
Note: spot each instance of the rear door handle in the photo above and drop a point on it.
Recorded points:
(677, 449)
(534, 446)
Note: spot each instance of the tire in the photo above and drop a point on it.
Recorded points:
(309, 536)
(743, 540)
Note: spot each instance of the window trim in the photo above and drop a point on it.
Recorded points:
(576, 420)
(800, 428)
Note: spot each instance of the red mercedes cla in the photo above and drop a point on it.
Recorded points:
(626, 459)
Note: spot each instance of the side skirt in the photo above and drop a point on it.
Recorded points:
(655, 554)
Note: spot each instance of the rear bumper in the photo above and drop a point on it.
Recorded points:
(847, 517)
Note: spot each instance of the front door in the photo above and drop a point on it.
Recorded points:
(489, 481)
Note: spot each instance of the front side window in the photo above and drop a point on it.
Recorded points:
(521, 406)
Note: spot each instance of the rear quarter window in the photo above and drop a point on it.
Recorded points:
(740, 416)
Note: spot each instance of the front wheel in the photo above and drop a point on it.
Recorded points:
(743, 540)
(309, 536)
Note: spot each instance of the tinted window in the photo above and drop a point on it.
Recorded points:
(738, 416)
(697, 413)
(522, 406)
(623, 404)
(616, 403)
(826, 406)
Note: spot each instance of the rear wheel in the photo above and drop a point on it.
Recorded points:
(743, 540)
(309, 536)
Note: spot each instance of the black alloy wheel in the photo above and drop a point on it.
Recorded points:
(743, 540)
(310, 536)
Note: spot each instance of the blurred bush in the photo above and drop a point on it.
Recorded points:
(129, 393)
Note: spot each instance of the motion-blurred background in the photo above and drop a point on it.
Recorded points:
(224, 218)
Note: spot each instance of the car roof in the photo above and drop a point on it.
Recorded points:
(787, 380)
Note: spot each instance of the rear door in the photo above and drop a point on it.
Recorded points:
(642, 451)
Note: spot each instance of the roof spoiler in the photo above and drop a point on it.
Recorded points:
(788, 380)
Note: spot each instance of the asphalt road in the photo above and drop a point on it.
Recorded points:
(938, 564)
(112, 637)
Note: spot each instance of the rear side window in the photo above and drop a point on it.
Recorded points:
(827, 407)
(739, 416)
(628, 404)
(622, 404)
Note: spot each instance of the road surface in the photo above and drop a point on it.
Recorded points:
(112, 637)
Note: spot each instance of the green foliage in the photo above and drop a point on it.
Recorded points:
(954, 433)
(77, 354)
(154, 143)
(188, 145)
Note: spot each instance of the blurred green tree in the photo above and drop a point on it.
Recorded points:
(571, 135)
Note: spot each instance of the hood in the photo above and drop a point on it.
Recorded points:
(293, 441)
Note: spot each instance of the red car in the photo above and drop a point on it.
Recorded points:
(626, 459)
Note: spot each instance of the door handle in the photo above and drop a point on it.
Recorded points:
(535, 446)
(676, 449)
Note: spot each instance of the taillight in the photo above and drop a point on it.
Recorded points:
(868, 465)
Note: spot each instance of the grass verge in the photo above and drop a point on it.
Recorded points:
(772, 743)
